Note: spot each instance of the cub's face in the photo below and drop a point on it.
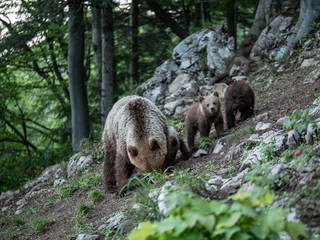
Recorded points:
(147, 157)
(211, 103)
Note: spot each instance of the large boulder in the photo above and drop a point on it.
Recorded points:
(195, 60)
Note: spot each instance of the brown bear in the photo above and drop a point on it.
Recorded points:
(238, 97)
(136, 134)
(176, 143)
(201, 115)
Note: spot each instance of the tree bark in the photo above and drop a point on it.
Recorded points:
(309, 13)
(134, 61)
(232, 20)
(78, 93)
(107, 59)
(167, 19)
(97, 55)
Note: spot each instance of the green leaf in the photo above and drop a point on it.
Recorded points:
(142, 233)
(272, 221)
(218, 208)
(172, 201)
(229, 221)
(295, 229)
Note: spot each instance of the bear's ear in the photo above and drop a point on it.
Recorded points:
(133, 151)
(216, 94)
(154, 144)
(201, 98)
(174, 142)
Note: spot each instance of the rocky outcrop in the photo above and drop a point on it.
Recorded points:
(195, 61)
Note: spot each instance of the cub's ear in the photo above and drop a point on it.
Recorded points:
(174, 142)
(216, 94)
(154, 144)
(133, 151)
(201, 98)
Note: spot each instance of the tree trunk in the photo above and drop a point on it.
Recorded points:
(166, 19)
(96, 42)
(134, 61)
(309, 13)
(232, 20)
(107, 60)
(78, 93)
(266, 12)
(185, 16)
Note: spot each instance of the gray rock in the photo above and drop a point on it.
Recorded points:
(114, 222)
(165, 189)
(218, 147)
(78, 162)
(262, 126)
(293, 139)
(283, 120)
(262, 117)
(200, 152)
(178, 82)
(87, 237)
(5, 195)
(277, 169)
(268, 44)
(311, 133)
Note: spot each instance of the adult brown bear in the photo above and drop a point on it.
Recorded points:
(238, 97)
(136, 134)
(200, 116)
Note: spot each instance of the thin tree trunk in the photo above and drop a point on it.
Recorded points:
(97, 56)
(185, 16)
(134, 60)
(78, 93)
(107, 60)
(232, 20)
(167, 19)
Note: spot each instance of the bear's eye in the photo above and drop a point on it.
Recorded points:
(214, 103)
(208, 105)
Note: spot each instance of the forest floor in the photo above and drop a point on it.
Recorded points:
(48, 215)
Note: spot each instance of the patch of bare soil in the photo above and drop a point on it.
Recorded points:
(278, 93)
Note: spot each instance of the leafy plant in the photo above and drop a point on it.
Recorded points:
(40, 224)
(204, 142)
(176, 123)
(95, 196)
(17, 221)
(83, 209)
(89, 180)
(80, 225)
(268, 151)
(192, 217)
(67, 189)
(49, 203)
(249, 129)
(299, 120)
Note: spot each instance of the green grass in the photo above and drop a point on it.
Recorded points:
(40, 224)
(83, 209)
(67, 189)
(89, 180)
(95, 196)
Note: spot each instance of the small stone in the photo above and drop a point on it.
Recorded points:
(262, 126)
(113, 222)
(87, 237)
(218, 147)
(200, 152)
(261, 117)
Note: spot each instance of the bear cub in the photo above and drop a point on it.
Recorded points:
(200, 117)
(238, 97)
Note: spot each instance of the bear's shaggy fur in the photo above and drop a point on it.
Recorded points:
(136, 134)
(200, 116)
(176, 143)
(238, 97)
